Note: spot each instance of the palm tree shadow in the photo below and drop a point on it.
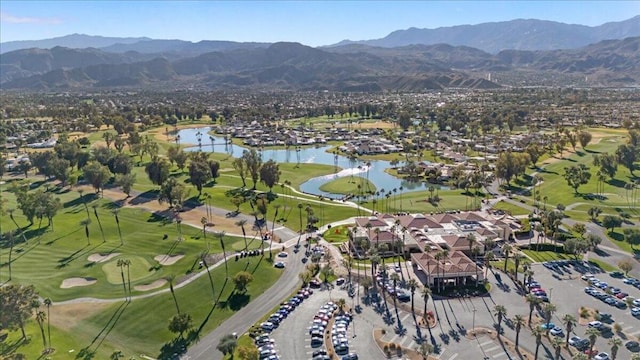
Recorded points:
(87, 353)
(196, 333)
(51, 242)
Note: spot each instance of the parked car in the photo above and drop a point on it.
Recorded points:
(595, 324)
(616, 274)
(574, 340)
(279, 265)
(602, 356)
(556, 331)
(632, 345)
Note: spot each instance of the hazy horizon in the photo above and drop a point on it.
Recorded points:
(313, 23)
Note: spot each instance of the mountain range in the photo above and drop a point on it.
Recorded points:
(171, 64)
(520, 34)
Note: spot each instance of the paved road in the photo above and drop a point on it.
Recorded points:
(242, 320)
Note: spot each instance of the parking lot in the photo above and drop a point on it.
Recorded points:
(565, 287)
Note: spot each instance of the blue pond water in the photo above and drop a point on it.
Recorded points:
(314, 155)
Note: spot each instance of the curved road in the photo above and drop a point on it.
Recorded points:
(242, 320)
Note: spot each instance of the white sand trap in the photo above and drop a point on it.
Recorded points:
(168, 259)
(154, 285)
(73, 282)
(102, 258)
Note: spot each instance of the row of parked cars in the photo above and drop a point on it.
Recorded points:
(536, 289)
(387, 284)
(264, 342)
(339, 336)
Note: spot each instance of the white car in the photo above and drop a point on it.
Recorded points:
(267, 326)
(635, 311)
(601, 356)
(556, 331)
(574, 340)
(595, 324)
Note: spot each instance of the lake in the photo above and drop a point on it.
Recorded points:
(315, 155)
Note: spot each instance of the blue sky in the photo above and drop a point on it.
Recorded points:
(309, 22)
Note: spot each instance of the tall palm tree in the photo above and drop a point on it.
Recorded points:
(569, 322)
(506, 250)
(556, 342)
(127, 263)
(615, 343)
(241, 223)
(548, 310)
(413, 285)
(220, 236)
(85, 223)
(203, 258)
(115, 214)
(48, 303)
(11, 243)
(500, 311)
(170, 278)
(273, 224)
(40, 317)
(426, 293)
(471, 239)
(121, 265)
(395, 278)
(18, 228)
(300, 206)
(518, 322)
(533, 302)
(537, 333)
(95, 213)
(592, 334)
(517, 258)
(203, 222)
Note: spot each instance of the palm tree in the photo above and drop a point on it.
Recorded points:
(500, 311)
(518, 321)
(300, 206)
(203, 221)
(121, 264)
(395, 278)
(537, 332)
(85, 223)
(95, 213)
(48, 303)
(413, 285)
(40, 317)
(273, 224)
(533, 302)
(556, 342)
(426, 292)
(86, 208)
(11, 243)
(220, 235)
(592, 334)
(615, 343)
(517, 258)
(506, 249)
(127, 263)
(203, 258)
(580, 356)
(425, 349)
(548, 310)
(115, 214)
(241, 223)
(18, 228)
(569, 322)
(170, 278)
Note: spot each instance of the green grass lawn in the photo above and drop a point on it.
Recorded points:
(416, 201)
(510, 208)
(338, 234)
(348, 185)
(541, 256)
(603, 265)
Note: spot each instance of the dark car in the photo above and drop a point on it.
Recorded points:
(632, 345)
(616, 274)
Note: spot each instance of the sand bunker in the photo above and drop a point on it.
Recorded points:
(168, 259)
(154, 285)
(102, 258)
(73, 282)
